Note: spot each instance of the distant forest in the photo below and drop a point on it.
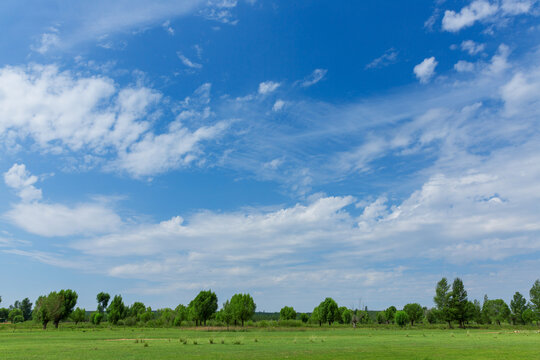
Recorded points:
(452, 307)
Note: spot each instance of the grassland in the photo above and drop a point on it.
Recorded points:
(343, 343)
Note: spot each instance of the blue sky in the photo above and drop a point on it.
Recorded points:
(292, 150)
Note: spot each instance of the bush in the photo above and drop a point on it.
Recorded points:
(290, 323)
(17, 319)
(304, 317)
(401, 318)
(96, 318)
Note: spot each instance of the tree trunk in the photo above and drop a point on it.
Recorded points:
(449, 324)
(242, 322)
(45, 325)
(56, 324)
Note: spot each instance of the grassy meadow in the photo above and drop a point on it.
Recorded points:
(273, 343)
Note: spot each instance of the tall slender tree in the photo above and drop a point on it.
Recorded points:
(518, 305)
(442, 301)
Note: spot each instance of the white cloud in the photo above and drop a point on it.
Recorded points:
(18, 178)
(464, 66)
(484, 10)
(267, 87)
(521, 93)
(60, 220)
(167, 26)
(47, 42)
(472, 47)
(54, 219)
(475, 11)
(66, 113)
(516, 7)
(316, 76)
(220, 10)
(389, 57)
(425, 70)
(278, 105)
(188, 62)
(499, 61)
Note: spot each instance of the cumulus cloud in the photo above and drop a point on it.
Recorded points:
(20, 179)
(316, 76)
(484, 10)
(464, 66)
(425, 70)
(267, 87)
(66, 113)
(472, 47)
(45, 219)
(278, 105)
(476, 10)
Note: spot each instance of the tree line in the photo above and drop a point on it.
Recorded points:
(452, 306)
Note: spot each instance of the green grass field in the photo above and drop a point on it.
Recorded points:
(147, 343)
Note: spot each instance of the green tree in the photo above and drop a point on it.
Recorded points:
(346, 316)
(459, 305)
(431, 316)
(528, 316)
(15, 313)
(496, 310)
(518, 305)
(315, 317)
(78, 315)
(328, 311)
(166, 316)
(26, 307)
(181, 315)
(147, 315)
(390, 313)
(204, 306)
(534, 297)
(103, 300)
(226, 314)
(287, 313)
(414, 312)
(116, 310)
(136, 310)
(381, 317)
(96, 318)
(49, 308)
(243, 307)
(304, 317)
(442, 301)
(69, 299)
(401, 318)
(4, 313)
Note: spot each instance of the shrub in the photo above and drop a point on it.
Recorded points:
(17, 319)
(401, 318)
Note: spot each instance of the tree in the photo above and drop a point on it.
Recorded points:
(69, 299)
(315, 318)
(528, 316)
(78, 315)
(496, 310)
(346, 316)
(15, 313)
(96, 318)
(381, 317)
(459, 305)
(304, 317)
(226, 314)
(4, 313)
(136, 310)
(518, 305)
(414, 312)
(243, 307)
(49, 308)
(181, 314)
(116, 310)
(103, 300)
(204, 306)
(328, 311)
(442, 301)
(25, 306)
(534, 296)
(390, 313)
(401, 318)
(287, 313)
(431, 316)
